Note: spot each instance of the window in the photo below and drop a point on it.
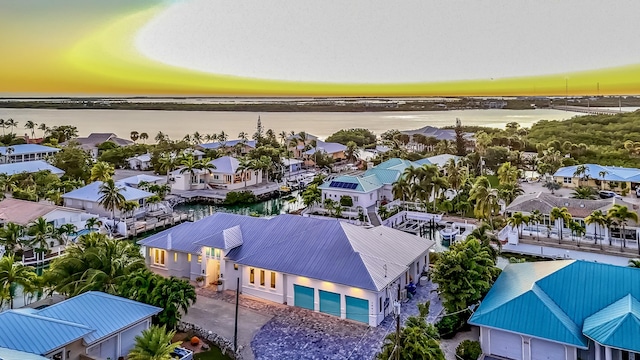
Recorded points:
(252, 276)
(159, 257)
(199, 259)
(235, 266)
(247, 175)
(566, 180)
(406, 277)
(227, 179)
(175, 257)
(379, 304)
(261, 277)
(216, 253)
(273, 280)
(355, 199)
(418, 268)
(216, 177)
(189, 257)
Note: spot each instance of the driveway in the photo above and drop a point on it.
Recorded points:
(219, 317)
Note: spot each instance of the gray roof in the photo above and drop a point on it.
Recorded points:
(326, 147)
(323, 249)
(580, 208)
(225, 164)
(92, 193)
(94, 139)
(434, 132)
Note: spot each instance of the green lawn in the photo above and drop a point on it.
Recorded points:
(213, 354)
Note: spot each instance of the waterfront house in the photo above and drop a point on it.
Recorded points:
(92, 325)
(561, 310)
(88, 198)
(224, 176)
(135, 180)
(25, 152)
(29, 167)
(297, 146)
(140, 162)
(23, 212)
(91, 142)
(335, 150)
(239, 147)
(579, 210)
(322, 265)
(598, 176)
(291, 166)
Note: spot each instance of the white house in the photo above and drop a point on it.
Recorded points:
(25, 152)
(321, 265)
(135, 180)
(561, 310)
(91, 325)
(140, 162)
(29, 167)
(24, 212)
(224, 176)
(91, 142)
(88, 198)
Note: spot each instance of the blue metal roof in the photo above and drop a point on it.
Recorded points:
(225, 165)
(28, 149)
(91, 192)
(9, 354)
(617, 325)
(551, 300)
(230, 143)
(32, 333)
(611, 173)
(106, 314)
(29, 167)
(137, 179)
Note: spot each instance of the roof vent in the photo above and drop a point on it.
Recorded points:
(566, 204)
(581, 205)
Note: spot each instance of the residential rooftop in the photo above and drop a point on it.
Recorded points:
(29, 167)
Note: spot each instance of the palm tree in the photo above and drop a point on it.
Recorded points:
(111, 197)
(244, 165)
(581, 171)
(128, 207)
(583, 192)
(102, 171)
(3, 125)
(438, 182)
(10, 237)
(197, 138)
(160, 137)
(134, 136)
(508, 174)
(168, 163)
(154, 344)
(456, 175)
(144, 136)
(41, 230)
(283, 136)
(14, 273)
(44, 128)
(311, 195)
(92, 223)
(243, 137)
(634, 263)
(561, 214)
(622, 214)
(536, 217)
(598, 218)
(400, 189)
(486, 199)
(30, 125)
(517, 220)
(601, 175)
(352, 151)
(64, 231)
(10, 123)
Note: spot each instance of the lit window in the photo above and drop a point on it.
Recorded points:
(175, 257)
(273, 280)
(261, 277)
(235, 266)
(189, 257)
(159, 257)
(252, 278)
(199, 259)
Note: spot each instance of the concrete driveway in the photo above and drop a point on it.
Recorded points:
(219, 316)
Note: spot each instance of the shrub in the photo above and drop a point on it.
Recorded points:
(346, 200)
(448, 326)
(241, 197)
(469, 350)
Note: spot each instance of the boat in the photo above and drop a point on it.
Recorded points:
(285, 188)
(449, 233)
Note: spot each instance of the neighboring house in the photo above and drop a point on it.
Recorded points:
(140, 162)
(134, 181)
(299, 147)
(24, 212)
(197, 154)
(29, 167)
(579, 210)
(291, 166)
(335, 150)
(8, 354)
(88, 198)
(436, 134)
(93, 324)
(25, 152)
(91, 142)
(224, 176)
(438, 160)
(561, 310)
(231, 146)
(603, 177)
(363, 190)
(321, 265)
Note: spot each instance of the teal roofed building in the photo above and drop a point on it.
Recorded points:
(565, 310)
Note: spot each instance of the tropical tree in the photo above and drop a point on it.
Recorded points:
(12, 274)
(400, 189)
(11, 237)
(92, 223)
(577, 229)
(580, 173)
(561, 216)
(415, 342)
(536, 217)
(10, 123)
(245, 164)
(486, 199)
(128, 208)
(622, 215)
(552, 186)
(134, 136)
(518, 220)
(456, 175)
(634, 263)
(45, 129)
(30, 125)
(168, 163)
(508, 174)
(102, 171)
(464, 274)
(41, 231)
(64, 231)
(144, 136)
(311, 195)
(175, 296)
(509, 192)
(352, 151)
(598, 218)
(601, 175)
(583, 192)
(111, 197)
(154, 344)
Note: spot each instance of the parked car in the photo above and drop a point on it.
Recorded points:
(605, 194)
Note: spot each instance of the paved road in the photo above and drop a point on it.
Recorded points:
(218, 316)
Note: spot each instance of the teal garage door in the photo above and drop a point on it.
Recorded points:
(357, 309)
(329, 303)
(303, 297)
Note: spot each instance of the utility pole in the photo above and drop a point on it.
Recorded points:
(235, 327)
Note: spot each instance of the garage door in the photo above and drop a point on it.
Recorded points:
(357, 309)
(303, 297)
(547, 350)
(506, 344)
(128, 337)
(329, 303)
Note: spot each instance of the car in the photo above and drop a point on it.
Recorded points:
(604, 194)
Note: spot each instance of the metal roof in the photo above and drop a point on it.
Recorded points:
(362, 184)
(105, 314)
(228, 143)
(617, 325)
(28, 149)
(29, 167)
(594, 171)
(439, 160)
(580, 208)
(225, 165)
(552, 299)
(91, 192)
(137, 179)
(37, 334)
(9, 354)
(326, 147)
